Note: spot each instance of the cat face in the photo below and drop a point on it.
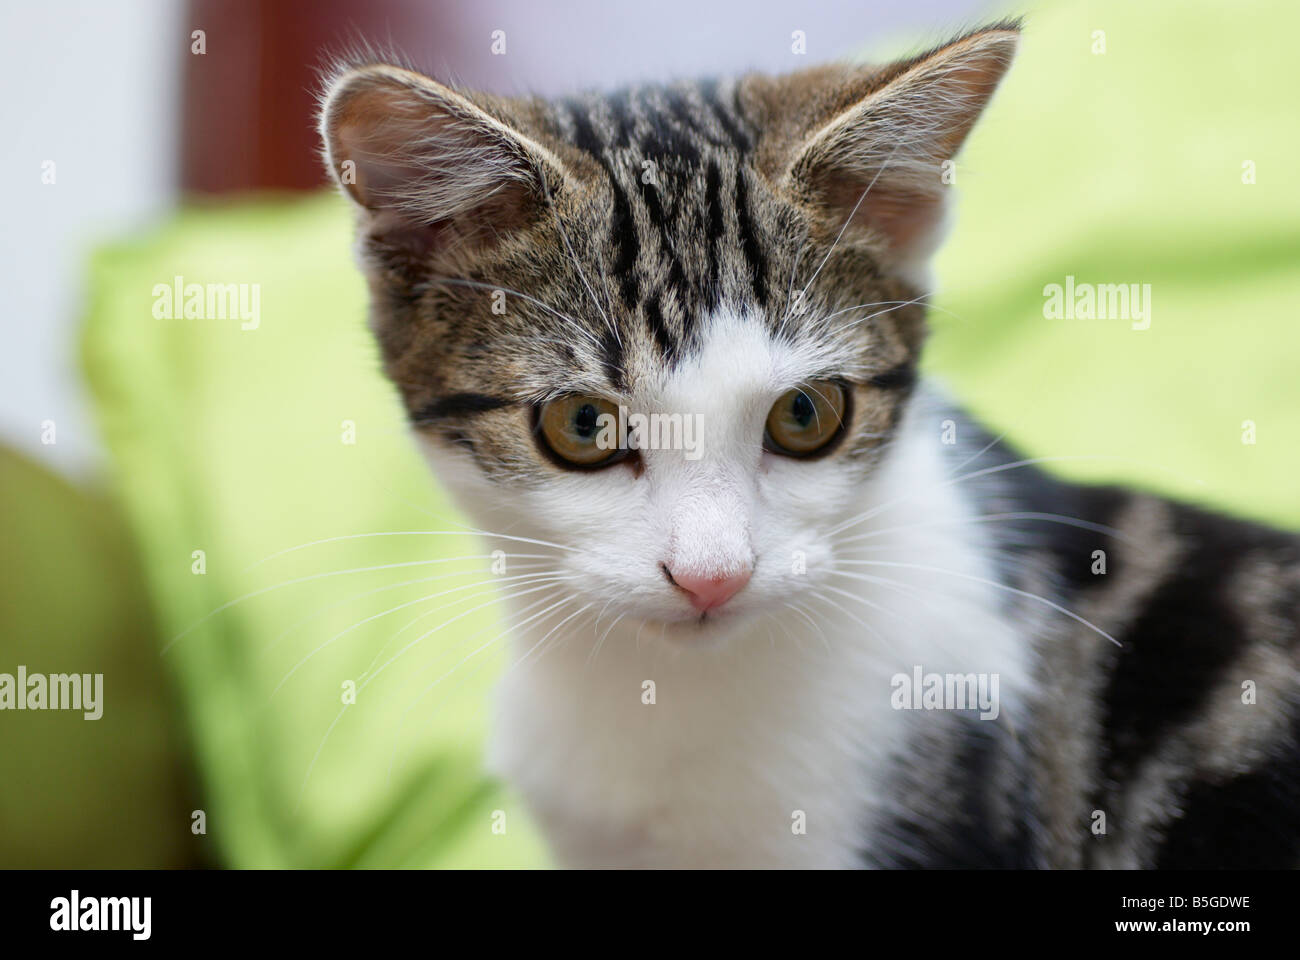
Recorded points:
(671, 329)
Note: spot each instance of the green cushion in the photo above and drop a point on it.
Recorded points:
(1127, 167)
(230, 441)
(1123, 167)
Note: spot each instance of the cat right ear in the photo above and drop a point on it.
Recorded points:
(882, 140)
(432, 170)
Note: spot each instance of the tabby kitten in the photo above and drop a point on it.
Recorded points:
(717, 675)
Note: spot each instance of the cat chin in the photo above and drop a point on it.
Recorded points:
(701, 631)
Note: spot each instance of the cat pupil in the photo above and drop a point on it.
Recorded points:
(584, 421)
(802, 409)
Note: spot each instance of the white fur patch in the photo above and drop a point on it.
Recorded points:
(779, 713)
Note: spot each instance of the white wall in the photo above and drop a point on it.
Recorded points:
(559, 46)
(93, 87)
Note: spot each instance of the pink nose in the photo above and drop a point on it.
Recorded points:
(707, 592)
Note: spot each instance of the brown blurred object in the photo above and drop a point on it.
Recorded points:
(117, 792)
(249, 101)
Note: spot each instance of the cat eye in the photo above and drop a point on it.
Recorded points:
(572, 431)
(805, 421)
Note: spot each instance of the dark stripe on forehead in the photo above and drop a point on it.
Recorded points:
(620, 106)
(668, 140)
(680, 107)
(738, 138)
(685, 116)
(655, 319)
(624, 227)
(584, 134)
(458, 405)
(668, 137)
(650, 194)
(624, 231)
(659, 218)
(754, 255)
(715, 226)
(611, 350)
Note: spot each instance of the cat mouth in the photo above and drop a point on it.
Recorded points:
(698, 627)
(705, 619)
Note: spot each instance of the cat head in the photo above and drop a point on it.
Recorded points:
(671, 329)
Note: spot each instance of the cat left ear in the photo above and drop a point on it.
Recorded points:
(430, 168)
(882, 163)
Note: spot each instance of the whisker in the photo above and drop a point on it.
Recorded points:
(879, 313)
(599, 643)
(981, 580)
(602, 613)
(549, 634)
(414, 533)
(546, 586)
(983, 450)
(338, 716)
(868, 306)
(909, 590)
(861, 599)
(439, 653)
(493, 583)
(849, 219)
(474, 284)
(536, 576)
(789, 293)
(464, 660)
(797, 608)
(997, 518)
(880, 508)
(882, 637)
(568, 245)
(921, 301)
(513, 627)
(321, 611)
(307, 579)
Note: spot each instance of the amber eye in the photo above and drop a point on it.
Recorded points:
(805, 420)
(580, 430)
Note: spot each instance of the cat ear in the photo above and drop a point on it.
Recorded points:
(881, 162)
(429, 167)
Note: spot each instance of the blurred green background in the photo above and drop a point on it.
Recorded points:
(229, 447)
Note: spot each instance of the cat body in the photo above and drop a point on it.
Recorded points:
(847, 627)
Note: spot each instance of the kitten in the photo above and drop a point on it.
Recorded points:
(720, 674)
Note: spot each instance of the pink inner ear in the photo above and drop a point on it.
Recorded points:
(373, 128)
(907, 218)
(417, 157)
(431, 183)
(379, 181)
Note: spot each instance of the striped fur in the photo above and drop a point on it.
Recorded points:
(1154, 731)
(706, 246)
